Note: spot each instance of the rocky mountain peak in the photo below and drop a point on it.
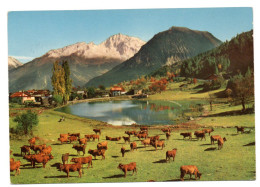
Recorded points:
(13, 63)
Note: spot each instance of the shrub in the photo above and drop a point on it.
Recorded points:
(57, 99)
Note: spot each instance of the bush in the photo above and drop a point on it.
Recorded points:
(57, 99)
(16, 100)
(26, 122)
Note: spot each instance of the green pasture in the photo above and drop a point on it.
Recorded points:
(236, 161)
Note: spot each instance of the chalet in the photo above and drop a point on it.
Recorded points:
(41, 96)
(116, 91)
(23, 96)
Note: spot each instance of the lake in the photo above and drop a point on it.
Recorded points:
(135, 111)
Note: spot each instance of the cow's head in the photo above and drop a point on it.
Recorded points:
(224, 139)
(120, 166)
(199, 175)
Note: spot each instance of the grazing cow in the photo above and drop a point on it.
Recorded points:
(241, 129)
(157, 143)
(11, 159)
(74, 134)
(32, 140)
(25, 149)
(72, 138)
(144, 128)
(139, 136)
(153, 138)
(37, 148)
(208, 131)
(102, 145)
(94, 137)
(123, 151)
(128, 167)
(133, 146)
(15, 166)
(115, 139)
(214, 138)
(166, 130)
(63, 140)
(130, 132)
(170, 154)
(64, 135)
(83, 160)
(88, 136)
(41, 159)
(71, 167)
(221, 142)
(79, 148)
(65, 157)
(189, 169)
(108, 138)
(29, 158)
(83, 141)
(200, 134)
(97, 152)
(186, 134)
(97, 131)
(47, 150)
(168, 134)
(147, 141)
(127, 139)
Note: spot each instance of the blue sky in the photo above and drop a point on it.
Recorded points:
(33, 33)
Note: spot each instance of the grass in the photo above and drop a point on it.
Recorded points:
(236, 161)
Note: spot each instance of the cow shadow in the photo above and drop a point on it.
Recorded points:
(56, 165)
(160, 161)
(172, 180)
(205, 144)
(210, 149)
(151, 150)
(250, 144)
(114, 156)
(59, 176)
(233, 134)
(126, 151)
(17, 155)
(58, 143)
(114, 176)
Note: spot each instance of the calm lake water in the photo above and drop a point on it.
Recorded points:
(133, 111)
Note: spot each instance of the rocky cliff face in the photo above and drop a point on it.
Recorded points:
(86, 62)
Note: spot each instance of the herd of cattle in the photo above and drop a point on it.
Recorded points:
(42, 153)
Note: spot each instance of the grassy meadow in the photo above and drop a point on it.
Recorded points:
(236, 161)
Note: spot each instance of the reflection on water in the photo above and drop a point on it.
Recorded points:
(129, 112)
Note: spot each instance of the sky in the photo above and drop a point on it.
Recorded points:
(33, 33)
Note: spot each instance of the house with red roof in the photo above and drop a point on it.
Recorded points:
(116, 91)
(24, 96)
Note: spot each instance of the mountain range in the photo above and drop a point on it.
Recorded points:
(86, 62)
(13, 63)
(165, 48)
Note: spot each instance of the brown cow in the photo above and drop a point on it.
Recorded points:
(157, 143)
(97, 152)
(65, 157)
(115, 139)
(97, 131)
(147, 141)
(200, 134)
(108, 138)
(144, 128)
(79, 148)
(83, 141)
(71, 167)
(29, 158)
(130, 132)
(47, 150)
(153, 138)
(74, 134)
(37, 148)
(25, 149)
(123, 151)
(208, 131)
(170, 154)
(168, 134)
(64, 135)
(32, 140)
(186, 134)
(41, 159)
(72, 138)
(88, 136)
(83, 160)
(241, 129)
(15, 166)
(128, 167)
(62, 140)
(94, 137)
(11, 159)
(189, 169)
(127, 139)
(214, 138)
(221, 142)
(102, 145)
(139, 136)
(133, 146)
(166, 130)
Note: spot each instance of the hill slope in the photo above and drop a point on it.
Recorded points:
(13, 63)
(168, 47)
(86, 61)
